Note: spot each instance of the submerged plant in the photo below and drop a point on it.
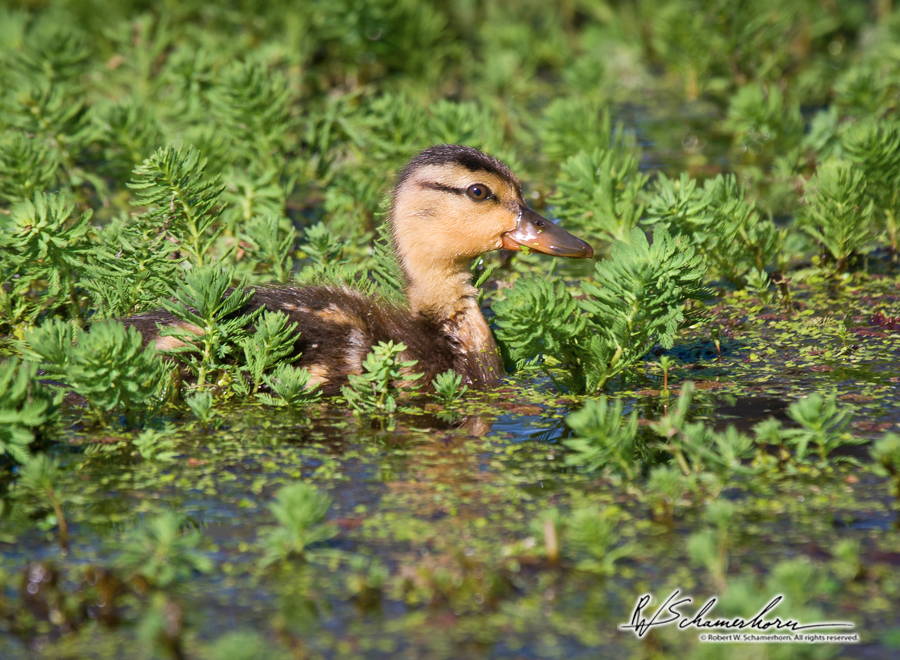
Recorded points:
(300, 511)
(154, 445)
(163, 551)
(709, 547)
(26, 407)
(38, 476)
(377, 388)
(594, 531)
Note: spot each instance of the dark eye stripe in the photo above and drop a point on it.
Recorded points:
(440, 186)
(434, 185)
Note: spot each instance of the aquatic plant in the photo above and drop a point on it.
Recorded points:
(886, 454)
(273, 339)
(594, 531)
(605, 437)
(837, 212)
(709, 547)
(45, 247)
(719, 221)
(163, 550)
(292, 386)
(637, 297)
(447, 388)
(377, 388)
(181, 200)
(201, 404)
(600, 193)
(873, 146)
(210, 331)
(270, 246)
(823, 425)
(156, 445)
(300, 511)
(26, 407)
(38, 476)
(664, 489)
(108, 366)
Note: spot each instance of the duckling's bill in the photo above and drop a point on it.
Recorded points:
(539, 234)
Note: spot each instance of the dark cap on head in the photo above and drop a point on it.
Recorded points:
(472, 159)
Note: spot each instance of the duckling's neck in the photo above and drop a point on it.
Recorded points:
(443, 294)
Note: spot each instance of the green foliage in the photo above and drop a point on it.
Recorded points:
(107, 366)
(201, 301)
(38, 477)
(599, 193)
(27, 167)
(837, 212)
(709, 547)
(270, 246)
(182, 200)
(822, 424)
(698, 449)
(45, 246)
(447, 388)
(135, 268)
(637, 298)
(201, 404)
(719, 221)
(572, 125)
(272, 341)
(384, 376)
(163, 551)
(539, 318)
(26, 407)
(760, 117)
(886, 454)
(154, 445)
(873, 147)
(244, 645)
(291, 385)
(300, 510)
(594, 531)
(605, 438)
(253, 106)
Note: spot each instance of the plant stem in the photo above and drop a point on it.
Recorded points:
(60, 520)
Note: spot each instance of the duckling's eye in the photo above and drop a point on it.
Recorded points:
(478, 192)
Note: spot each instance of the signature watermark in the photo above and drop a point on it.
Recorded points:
(763, 626)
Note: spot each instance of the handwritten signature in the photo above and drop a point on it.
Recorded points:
(668, 614)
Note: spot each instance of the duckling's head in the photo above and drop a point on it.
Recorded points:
(453, 203)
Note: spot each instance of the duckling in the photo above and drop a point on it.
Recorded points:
(451, 203)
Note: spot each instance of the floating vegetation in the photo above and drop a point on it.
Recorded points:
(711, 406)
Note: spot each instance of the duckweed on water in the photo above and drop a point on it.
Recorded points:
(714, 410)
